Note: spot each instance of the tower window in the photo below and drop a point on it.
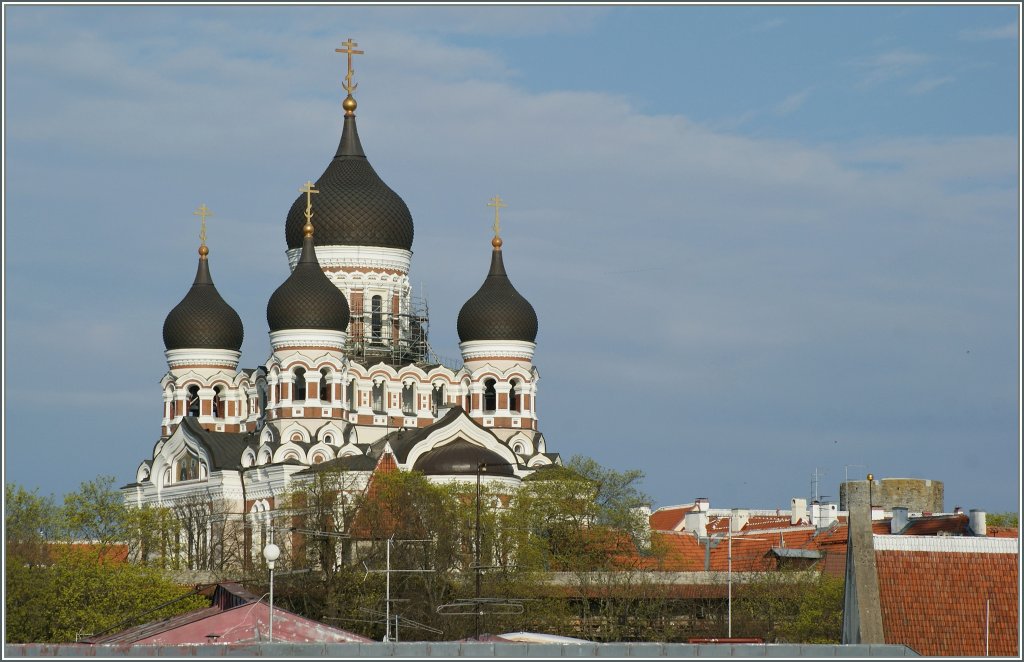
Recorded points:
(352, 394)
(261, 391)
(408, 400)
(325, 395)
(513, 396)
(217, 402)
(299, 385)
(376, 316)
(378, 398)
(437, 398)
(193, 401)
(490, 396)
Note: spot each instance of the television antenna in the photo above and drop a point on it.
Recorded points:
(388, 571)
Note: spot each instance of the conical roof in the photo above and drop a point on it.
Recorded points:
(355, 207)
(203, 320)
(497, 311)
(307, 299)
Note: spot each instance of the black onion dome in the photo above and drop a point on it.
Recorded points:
(203, 319)
(497, 311)
(307, 299)
(354, 207)
(461, 457)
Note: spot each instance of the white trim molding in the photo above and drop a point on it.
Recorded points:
(968, 544)
(366, 258)
(178, 358)
(505, 349)
(308, 338)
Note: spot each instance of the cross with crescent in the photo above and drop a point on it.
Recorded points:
(349, 50)
(308, 189)
(202, 212)
(498, 205)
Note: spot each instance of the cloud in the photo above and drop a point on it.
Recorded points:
(890, 65)
(1008, 31)
(726, 291)
(792, 103)
(926, 85)
(766, 26)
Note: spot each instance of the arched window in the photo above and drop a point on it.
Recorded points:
(408, 400)
(467, 397)
(513, 396)
(299, 385)
(325, 393)
(352, 395)
(218, 404)
(437, 398)
(378, 398)
(193, 401)
(490, 397)
(376, 310)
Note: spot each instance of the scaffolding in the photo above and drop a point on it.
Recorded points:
(376, 334)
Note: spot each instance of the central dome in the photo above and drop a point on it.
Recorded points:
(355, 207)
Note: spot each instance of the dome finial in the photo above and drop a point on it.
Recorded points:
(497, 203)
(202, 212)
(307, 188)
(349, 104)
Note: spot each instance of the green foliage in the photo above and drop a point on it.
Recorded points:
(65, 572)
(790, 606)
(1002, 519)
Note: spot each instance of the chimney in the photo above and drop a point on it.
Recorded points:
(798, 510)
(900, 519)
(701, 504)
(696, 521)
(976, 521)
(738, 519)
(877, 513)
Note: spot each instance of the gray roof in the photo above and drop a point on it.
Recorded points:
(307, 299)
(203, 319)
(354, 207)
(225, 448)
(497, 311)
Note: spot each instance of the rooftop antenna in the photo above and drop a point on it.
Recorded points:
(815, 482)
(387, 572)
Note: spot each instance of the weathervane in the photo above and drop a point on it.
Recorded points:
(349, 49)
(202, 212)
(308, 189)
(497, 203)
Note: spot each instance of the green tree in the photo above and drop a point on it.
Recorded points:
(1002, 519)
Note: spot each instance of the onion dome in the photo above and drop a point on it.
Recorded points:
(307, 299)
(355, 207)
(461, 457)
(497, 311)
(203, 319)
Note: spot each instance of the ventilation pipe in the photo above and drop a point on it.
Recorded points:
(976, 520)
(900, 519)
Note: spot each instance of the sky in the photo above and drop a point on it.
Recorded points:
(763, 242)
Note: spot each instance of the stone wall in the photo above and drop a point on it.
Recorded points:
(915, 494)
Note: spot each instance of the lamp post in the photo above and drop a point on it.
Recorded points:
(271, 553)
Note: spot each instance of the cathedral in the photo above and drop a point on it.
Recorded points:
(351, 382)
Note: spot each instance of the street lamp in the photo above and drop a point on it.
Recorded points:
(271, 553)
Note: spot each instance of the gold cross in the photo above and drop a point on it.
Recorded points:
(308, 189)
(350, 51)
(202, 212)
(497, 204)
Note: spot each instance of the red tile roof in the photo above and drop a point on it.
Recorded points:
(1002, 532)
(669, 518)
(935, 602)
